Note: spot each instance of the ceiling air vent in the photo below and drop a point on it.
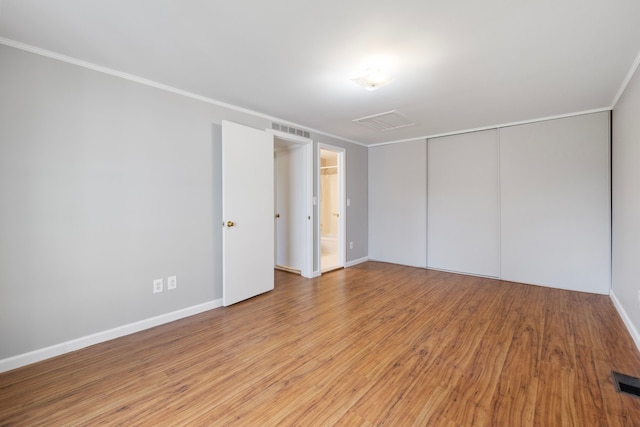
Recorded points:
(290, 129)
(385, 121)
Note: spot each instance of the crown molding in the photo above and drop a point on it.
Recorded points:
(625, 82)
(147, 82)
(167, 88)
(500, 126)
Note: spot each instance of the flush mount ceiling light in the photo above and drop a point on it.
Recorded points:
(373, 78)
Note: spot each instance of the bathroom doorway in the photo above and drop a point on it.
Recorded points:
(331, 192)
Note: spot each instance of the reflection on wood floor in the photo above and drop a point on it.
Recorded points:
(369, 345)
(328, 261)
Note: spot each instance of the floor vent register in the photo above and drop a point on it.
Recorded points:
(626, 384)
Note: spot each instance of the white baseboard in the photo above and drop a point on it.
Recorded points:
(399, 263)
(625, 318)
(314, 274)
(78, 343)
(355, 262)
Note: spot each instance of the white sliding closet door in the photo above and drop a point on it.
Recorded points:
(398, 203)
(555, 200)
(462, 224)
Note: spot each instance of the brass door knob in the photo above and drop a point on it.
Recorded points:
(230, 224)
(277, 215)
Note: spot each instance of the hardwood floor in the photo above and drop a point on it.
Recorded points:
(375, 344)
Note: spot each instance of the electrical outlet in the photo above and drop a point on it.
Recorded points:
(172, 282)
(350, 245)
(157, 286)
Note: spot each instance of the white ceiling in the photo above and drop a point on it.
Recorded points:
(457, 65)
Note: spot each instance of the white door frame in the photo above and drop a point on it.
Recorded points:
(306, 145)
(342, 212)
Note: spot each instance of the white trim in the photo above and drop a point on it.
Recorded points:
(396, 263)
(289, 136)
(504, 125)
(342, 202)
(288, 269)
(131, 77)
(315, 274)
(499, 207)
(627, 79)
(426, 203)
(625, 318)
(610, 190)
(464, 273)
(308, 270)
(120, 331)
(355, 262)
(141, 80)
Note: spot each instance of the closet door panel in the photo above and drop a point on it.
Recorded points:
(555, 203)
(398, 203)
(462, 218)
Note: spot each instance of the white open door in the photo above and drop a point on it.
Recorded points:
(247, 212)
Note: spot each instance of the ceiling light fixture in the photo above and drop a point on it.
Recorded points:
(373, 78)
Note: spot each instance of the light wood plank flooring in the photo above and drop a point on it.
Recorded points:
(375, 344)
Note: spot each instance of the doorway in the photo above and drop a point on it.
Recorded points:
(331, 197)
(293, 204)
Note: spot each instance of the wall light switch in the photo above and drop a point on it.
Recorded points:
(172, 282)
(157, 286)
(348, 202)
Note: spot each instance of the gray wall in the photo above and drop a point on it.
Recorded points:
(357, 184)
(626, 202)
(107, 184)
